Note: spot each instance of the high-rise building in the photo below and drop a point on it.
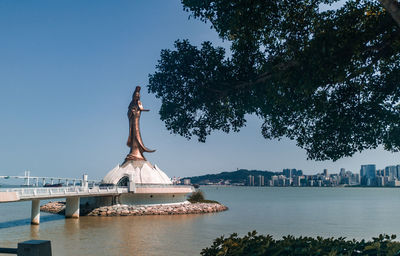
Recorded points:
(260, 180)
(381, 172)
(380, 181)
(368, 174)
(356, 178)
(391, 172)
(288, 173)
(326, 173)
(274, 180)
(398, 172)
(251, 180)
(297, 181)
(368, 170)
(342, 172)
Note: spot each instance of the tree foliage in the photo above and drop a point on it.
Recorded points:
(258, 245)
(327, 78)
(196, 197)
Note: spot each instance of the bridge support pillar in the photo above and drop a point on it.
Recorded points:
(35, 212)
(72, 207)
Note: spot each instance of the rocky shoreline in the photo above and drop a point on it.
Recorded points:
(53, 207)
(139, 210)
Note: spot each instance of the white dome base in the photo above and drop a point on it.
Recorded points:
(143, 172)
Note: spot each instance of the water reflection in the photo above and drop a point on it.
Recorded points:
(129, 235)
(35, 232)
(27, 221)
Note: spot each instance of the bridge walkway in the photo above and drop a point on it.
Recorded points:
(73, 195)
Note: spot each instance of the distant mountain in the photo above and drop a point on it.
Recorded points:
(239, 176)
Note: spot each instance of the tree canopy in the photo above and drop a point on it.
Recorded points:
(327, 78)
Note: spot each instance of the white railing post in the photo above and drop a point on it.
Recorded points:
(85, 181)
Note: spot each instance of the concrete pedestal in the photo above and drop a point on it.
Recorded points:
(35, 212)
(72, 207)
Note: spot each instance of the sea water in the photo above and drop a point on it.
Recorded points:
(279, 211)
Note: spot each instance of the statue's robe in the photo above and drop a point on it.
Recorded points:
(135, 141)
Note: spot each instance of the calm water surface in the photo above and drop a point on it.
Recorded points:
(349, 212)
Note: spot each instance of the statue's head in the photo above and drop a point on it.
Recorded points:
(136, 93)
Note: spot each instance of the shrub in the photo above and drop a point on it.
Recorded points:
(253, 244)
(196, 197)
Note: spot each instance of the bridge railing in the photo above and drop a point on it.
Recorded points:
(26, 193)
(100, 189)
(36, 191)
(32, 192)
(161, 186)
(138, 185)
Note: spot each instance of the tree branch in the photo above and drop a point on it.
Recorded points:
(259, 79)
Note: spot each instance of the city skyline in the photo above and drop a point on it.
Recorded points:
(59, 78)
(368, 176)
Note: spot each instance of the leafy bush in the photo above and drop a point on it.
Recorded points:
(196, 197)
(253, 244)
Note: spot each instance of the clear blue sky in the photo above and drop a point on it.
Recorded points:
(67, 72)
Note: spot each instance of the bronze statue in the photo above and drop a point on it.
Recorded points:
(135, 140)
